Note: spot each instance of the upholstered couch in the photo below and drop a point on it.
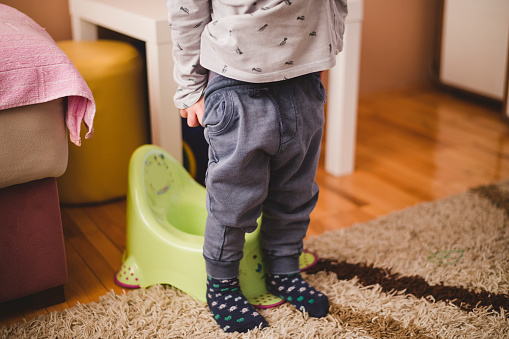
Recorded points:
(33, 153)
(41, 93)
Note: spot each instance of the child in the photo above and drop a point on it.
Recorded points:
(247, 71)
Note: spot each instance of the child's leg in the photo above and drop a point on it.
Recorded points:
(292, 196)
(284, 224)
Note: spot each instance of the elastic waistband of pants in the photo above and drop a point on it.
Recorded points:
(212, 75)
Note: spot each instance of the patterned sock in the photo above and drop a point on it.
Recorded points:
(231, 310)
(294, 289)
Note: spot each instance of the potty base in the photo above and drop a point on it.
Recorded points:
(128, 277)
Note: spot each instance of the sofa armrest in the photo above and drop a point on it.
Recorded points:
(34, 142)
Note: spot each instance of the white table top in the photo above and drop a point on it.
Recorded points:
(146, 20)
(153, 9)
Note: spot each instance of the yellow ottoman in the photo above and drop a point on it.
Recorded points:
(114, 71)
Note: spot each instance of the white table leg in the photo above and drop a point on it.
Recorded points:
(83, 30)
(165, 119)
(342, 105)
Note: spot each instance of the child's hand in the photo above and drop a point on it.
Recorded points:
(194, 113)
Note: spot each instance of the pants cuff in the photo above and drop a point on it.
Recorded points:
(282, 265)
(222, 269)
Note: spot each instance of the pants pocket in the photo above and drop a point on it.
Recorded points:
(218, 112)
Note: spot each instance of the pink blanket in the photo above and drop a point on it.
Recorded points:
(33, 69)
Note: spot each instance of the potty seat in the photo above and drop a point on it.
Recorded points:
(166, 217)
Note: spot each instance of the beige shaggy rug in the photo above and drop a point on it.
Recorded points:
(435, 270)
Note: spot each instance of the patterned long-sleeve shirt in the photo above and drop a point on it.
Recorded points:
(251, 40)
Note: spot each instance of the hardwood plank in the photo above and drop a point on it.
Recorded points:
(83, 285)
(93, 258)
(111, 219)
(366, 187)
(100, 242)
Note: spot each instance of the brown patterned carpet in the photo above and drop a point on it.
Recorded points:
(435, 270)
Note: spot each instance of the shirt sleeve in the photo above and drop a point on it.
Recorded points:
(187, 19)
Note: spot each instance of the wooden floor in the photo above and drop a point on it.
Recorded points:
(412, 146)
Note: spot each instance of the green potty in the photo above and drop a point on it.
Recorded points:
(166, 216)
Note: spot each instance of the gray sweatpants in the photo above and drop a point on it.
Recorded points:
(264, 144)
